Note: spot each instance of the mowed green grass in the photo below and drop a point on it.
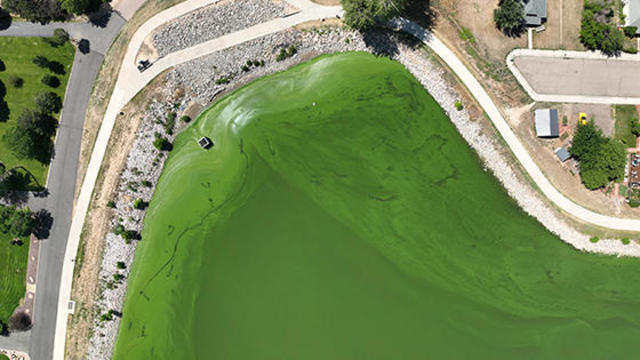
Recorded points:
(13, 271)
(625, 114)
(17, 53)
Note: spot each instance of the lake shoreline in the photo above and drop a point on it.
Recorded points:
(143, 162)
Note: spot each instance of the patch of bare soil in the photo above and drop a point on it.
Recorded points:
(85, 286)
(147, 51)
(562, 29)
(485, 52)
(319, 24)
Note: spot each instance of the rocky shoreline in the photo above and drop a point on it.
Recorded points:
(203, 80)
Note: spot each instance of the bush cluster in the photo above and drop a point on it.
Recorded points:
(598, 32)
(286, 53)
(602, 159)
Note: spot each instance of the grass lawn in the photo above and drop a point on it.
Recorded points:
(16, 54)
(625, 114)
(13, 272)
(3, 357)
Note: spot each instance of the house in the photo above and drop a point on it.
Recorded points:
(563, 154)
(632, 12)
(547, 123)
(535, 12)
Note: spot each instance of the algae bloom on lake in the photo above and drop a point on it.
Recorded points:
(341, 216)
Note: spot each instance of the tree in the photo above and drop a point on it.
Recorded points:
(509, 17)
(16, 222)
(598, 32)
(60, 37)
(48, 102)
(41, 11)
(602, 159)
(37, 123)
(362, 14)
(41, 61)
(51, 81)
(75, 6)
(22, 144)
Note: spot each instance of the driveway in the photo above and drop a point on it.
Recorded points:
(577, 76)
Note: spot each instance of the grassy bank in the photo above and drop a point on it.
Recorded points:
(625, 116)
(13, 270)
(17, 54)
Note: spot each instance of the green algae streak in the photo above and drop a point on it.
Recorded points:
(341, 216)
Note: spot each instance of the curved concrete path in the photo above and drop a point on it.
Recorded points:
(580, 82)
(130, 81)
(510, 137)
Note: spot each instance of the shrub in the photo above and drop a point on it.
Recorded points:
(15, 81)
(111, 204)
(626, 241)
(76, 6)
(170, 123)
(108, 316)
(185, 118)
(120, 265)
(48, 102)
(361, 14)
(41, 61)
(161, 143)
(118, 277)
(130, 235)
(630, 50)
(635, 127)
(466, 35)
(458, 105)
(146, 183)
(139, 204)
(509, 17)
(119, 229)
(245, 68)
(565, 121)
(222, 80)
(50, 81)
(630, 31)
(594, 239)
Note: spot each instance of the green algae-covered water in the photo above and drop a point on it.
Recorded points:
(341, 216)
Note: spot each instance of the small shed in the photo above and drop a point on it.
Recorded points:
(563, 154)
(205, 142)
(547, 123)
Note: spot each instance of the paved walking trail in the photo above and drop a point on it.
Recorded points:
(130, 81)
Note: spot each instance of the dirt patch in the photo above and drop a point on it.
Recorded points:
(85, 286)
(468, 29)
(147, 51)
(562, 29)
(319, 24)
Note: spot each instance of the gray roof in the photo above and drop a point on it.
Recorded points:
(547, 123)
(634, 14)
(563, 154)
(535, 11)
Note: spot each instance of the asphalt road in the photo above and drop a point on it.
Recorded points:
(62, 176)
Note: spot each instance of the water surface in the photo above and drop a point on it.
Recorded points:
(341, 216)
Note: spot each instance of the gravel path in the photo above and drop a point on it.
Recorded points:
(200, 80)
(214, 21)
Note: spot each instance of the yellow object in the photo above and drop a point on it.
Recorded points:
(582, 119)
